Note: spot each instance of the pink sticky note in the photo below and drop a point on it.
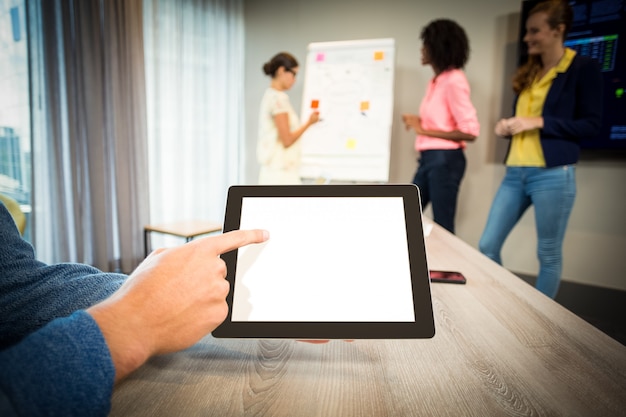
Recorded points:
(320, 57)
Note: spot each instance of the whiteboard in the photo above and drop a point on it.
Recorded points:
(350, 83)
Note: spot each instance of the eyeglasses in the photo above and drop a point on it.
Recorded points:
(291, 71)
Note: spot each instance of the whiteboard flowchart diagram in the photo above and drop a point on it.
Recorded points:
(350, 83)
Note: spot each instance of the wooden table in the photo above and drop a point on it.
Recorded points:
(187, 229)
(501, 349)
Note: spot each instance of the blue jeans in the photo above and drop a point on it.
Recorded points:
(438, 177)
(552, 191)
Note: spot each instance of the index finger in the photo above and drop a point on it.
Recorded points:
(236, 239)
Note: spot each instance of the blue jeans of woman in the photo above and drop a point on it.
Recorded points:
(439, 174)
(552, 191)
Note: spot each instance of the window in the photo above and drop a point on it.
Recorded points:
(15, 135)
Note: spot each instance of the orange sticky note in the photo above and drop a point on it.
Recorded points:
(365, 105)
(315, 104)
(379, 56)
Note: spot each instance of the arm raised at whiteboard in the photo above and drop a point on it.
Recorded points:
(412, 121)
(288, 137)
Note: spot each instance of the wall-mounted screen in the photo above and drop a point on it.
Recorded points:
(598, 31)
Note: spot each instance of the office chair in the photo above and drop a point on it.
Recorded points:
(16, 212)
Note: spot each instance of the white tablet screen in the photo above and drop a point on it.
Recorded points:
(320, 265)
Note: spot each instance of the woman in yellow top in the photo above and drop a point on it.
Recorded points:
(278, 149)
(559, 102)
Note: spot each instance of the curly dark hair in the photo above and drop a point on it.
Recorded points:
(281, 59)
(446, 43)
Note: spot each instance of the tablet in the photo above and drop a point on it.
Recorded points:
(341, 262)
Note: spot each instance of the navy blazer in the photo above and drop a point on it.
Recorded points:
(572, 111)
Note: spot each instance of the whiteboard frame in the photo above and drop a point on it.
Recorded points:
(335, 166)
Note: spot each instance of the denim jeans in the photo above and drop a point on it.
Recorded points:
(438, 177)
(552, 191)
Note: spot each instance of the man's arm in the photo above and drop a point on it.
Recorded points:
(64, 369)
(33, 293)
(172, 300)
(68, 366)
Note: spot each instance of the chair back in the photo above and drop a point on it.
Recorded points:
(16, 212)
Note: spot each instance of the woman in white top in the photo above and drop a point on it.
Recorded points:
(278, 149)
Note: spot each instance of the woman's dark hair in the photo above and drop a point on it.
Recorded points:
(558, 12)
(446, 44)
(282, 59)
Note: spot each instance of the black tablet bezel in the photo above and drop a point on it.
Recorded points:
(423, 327)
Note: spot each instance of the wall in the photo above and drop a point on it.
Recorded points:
(594, 246)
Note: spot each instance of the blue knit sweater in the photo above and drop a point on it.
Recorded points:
(53, 357)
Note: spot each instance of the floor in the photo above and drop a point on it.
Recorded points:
(602, 307)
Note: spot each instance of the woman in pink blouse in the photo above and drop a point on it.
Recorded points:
(447, 119)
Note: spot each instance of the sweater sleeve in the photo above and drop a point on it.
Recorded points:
(63, 369)
(33, 293)
(53, 357)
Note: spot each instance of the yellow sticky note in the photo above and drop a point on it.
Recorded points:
(365, 105)
(379, 56)
(351, 143)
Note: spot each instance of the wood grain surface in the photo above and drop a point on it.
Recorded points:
(501, 348)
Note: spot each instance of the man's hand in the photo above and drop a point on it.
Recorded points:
(173, 299)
